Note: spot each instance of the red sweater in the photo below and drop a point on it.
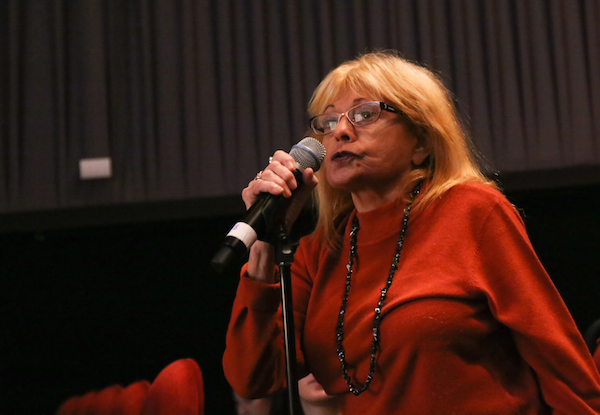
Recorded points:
(597, 355)
(472, 323)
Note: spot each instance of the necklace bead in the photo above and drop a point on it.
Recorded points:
(354, 389)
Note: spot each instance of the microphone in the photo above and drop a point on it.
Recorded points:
(268, 210)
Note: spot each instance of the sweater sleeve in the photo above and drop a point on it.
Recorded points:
(254, 357)
(522, 296)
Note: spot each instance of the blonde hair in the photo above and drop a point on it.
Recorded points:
(429, 114)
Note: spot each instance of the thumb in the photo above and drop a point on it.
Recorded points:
(300, 197)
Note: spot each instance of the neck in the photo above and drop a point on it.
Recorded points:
(373, 197)
(368, 200)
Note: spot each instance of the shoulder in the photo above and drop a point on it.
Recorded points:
(475, 193)
(475, 197)
(473, 204)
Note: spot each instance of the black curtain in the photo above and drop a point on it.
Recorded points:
(189, 97)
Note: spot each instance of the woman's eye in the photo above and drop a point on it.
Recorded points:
(330, 124)
(363, 116)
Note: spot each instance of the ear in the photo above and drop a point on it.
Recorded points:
(420, 154)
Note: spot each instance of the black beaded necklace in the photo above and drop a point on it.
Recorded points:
(377, 320)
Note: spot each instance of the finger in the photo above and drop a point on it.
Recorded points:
(282, 175)
(265, 182)
(277, 178)
(309, 178)
(285, 159)
(301, 196)
(310, 182)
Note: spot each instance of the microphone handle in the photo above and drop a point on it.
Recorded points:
(259, 221)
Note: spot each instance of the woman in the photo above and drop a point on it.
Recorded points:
(419, 291)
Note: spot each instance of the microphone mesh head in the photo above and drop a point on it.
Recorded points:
(309, 152)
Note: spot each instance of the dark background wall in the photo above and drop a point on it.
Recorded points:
(87, 307)
(189, 98)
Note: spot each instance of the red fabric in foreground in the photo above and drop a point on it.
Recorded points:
(177, 390)
(131, 399)
(113, 400)
(597, 355)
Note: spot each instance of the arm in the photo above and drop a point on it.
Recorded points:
(277, 179)
(254, 361)
(522, 296)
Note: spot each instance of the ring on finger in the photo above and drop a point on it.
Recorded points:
(257, 177)
(270, 159)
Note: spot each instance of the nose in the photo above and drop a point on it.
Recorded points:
(344, 130)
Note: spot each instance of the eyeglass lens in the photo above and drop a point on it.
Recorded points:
(361, 115)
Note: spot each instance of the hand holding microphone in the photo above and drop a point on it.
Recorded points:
(267, 198)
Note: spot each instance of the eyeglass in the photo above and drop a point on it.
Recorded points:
(359, 116)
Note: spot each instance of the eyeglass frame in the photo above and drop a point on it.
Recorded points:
(382, 106)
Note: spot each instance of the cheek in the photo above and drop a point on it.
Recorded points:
(402, 153)
(327, 142)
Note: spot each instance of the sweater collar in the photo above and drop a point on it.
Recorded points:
(378, 224)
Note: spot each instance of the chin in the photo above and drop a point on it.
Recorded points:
(343, 182)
